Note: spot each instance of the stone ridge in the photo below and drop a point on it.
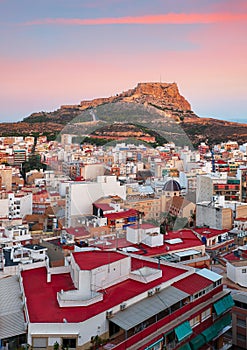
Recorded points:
(163, 93)
(166, 96)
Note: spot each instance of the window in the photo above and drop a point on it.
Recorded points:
(217, 283)
(39, 343)
(241, 337)
(241, 323)
(243, 270)
(69, 343)
(195, 321)
(199, 294)
(206, 314)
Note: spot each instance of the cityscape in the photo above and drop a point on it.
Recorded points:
(123, 175)
(117, 239)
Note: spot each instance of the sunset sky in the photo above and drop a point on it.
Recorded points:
(56, 52)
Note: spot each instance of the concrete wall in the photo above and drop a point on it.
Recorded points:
(6, 175)
(91, 171)
(241, 211)
(236, 274)
(4, 207)
(82, 331)
(204, 189)
(145, 236)
(107, 275)
(26, 203)
(214, 217)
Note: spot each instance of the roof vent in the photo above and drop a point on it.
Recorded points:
(157, 289)
(123, 306)
(109, 314)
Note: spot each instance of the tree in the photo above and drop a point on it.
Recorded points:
(56, 346)
(34, 162)
(180, 223)
(96, 342)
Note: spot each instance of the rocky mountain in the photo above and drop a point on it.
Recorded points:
(164, 98)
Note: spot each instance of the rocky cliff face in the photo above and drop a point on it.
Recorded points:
(165, 96)
(160, 94)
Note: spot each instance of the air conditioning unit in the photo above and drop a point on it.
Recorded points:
(109, 314)
(157, 289)
(123, 306)
(150, 293)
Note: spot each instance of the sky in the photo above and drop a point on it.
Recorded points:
(56, 52)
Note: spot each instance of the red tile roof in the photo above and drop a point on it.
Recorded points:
(103, 206)
(193, 284)
(122, 214)
(39, 293)
(231, 257)
(209, 232)
(90, 260)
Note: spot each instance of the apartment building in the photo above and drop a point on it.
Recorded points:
(124, 302)
(239, 320)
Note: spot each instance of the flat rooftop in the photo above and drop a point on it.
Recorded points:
(173, 241)
(89, 260)
(209, 232)
(39, 293)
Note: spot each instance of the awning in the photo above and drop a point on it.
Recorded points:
(148, 307)
(188, 252)
(183, 331)
(213, 331)
(185, 347)
(150, 347)
(223, 304)
(210, 333)
(197, 342)
(223, 322)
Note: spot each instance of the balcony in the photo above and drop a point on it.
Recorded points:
(163, 325)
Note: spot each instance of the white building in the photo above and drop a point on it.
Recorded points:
(81, 195)
(20, 204)
(213, 215)
(17, 234)
(147, 234)
(16, 205)
(237, 272)
(204, 186)
(18, 257)
(121, 297)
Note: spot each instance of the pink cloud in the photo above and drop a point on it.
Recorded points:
(170, 18)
